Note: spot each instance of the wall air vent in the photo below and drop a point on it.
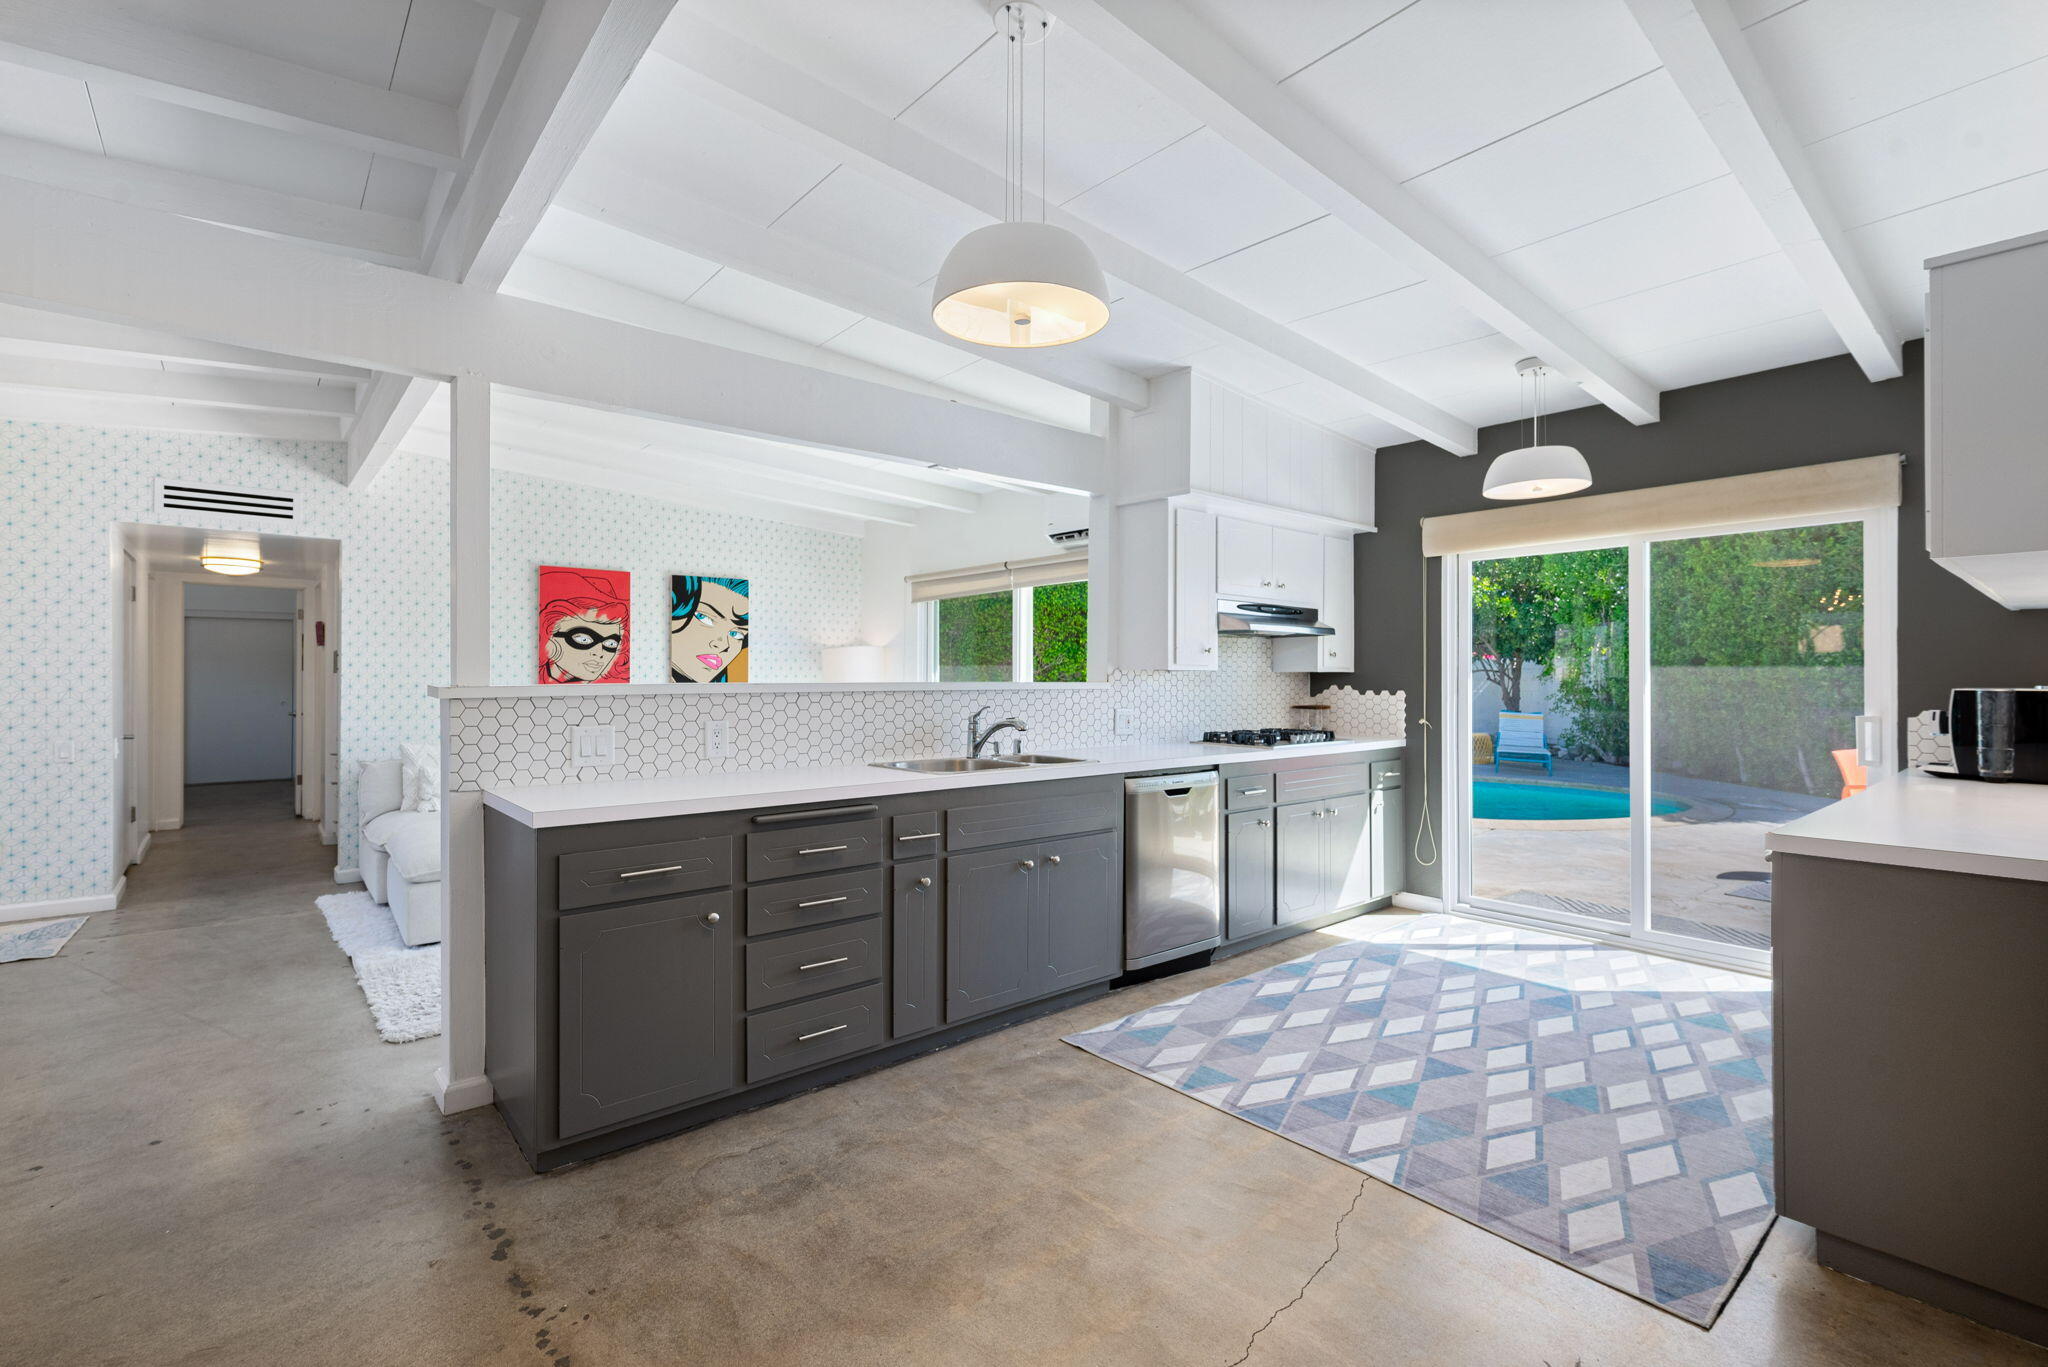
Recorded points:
(257, 503)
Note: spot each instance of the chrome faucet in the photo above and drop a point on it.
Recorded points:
(977, 737)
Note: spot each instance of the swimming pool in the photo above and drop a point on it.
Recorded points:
(1495, 800)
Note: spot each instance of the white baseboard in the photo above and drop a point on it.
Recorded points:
(63, 906)
(1415, 901)
(351, 874)
(168, 824)
(142, 850)
(463, 1094)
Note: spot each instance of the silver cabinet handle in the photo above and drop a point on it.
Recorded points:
(820, 1034)
(649, 873)
(924, 882)
(823, 849)
(1248, 792)
(1208, 650)
(1265, 583)
(1027, 863)
(822, 901)
(921, 835)
(1281, 585)
(822, 963)
(1052, 859)
(1263, 822)
(710, 918)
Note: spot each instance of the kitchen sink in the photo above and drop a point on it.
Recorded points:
(961, 765)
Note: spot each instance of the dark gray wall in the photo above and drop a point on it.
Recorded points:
(1949, 634)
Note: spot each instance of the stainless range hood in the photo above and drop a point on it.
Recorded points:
(1267, 619)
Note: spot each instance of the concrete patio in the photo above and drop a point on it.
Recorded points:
(1583, 866)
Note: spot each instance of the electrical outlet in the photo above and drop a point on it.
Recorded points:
(1126, 722)
(717, 738)
(595, 746)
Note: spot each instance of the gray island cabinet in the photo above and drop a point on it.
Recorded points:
(646, 976)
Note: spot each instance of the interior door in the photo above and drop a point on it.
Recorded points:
(132, 695)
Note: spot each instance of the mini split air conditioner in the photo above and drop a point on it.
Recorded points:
(1066, 521)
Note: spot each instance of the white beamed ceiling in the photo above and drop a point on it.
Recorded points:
(1546, 136)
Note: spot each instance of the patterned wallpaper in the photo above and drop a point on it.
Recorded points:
(805, 583)
(526, 740)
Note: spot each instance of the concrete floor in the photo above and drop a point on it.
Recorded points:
(210, 1158)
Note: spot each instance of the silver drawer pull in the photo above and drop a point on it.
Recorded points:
(819, 1034)
(822, 901)
(924, 882)
(824, 849)
(922, 835)
(822, 963)
(1248, 792)
(711, 918)
(649, 873)
(1027, 863)
(1052, 859)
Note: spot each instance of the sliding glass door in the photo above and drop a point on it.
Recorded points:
(1640, 712)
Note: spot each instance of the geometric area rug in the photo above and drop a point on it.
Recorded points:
(1608, 1109)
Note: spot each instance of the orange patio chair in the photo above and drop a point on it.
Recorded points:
(1854, 780)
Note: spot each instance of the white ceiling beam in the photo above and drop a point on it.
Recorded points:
(572, 67)
(277, 396)
(78, 254)
(95, 410)
(384, 238)
(1169, 47)
(703, 497)
(648, 207)
(94, 41)
(739, 76)
(38, 331)
(679, 471)
(1702, 47)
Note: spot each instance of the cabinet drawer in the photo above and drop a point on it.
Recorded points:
(914, 835)
(814, 901)
(792, 1038)
(1032, 818)
(636, 872)
(1247, 790)
(1323, 780)
(790, 850)
(815, 961)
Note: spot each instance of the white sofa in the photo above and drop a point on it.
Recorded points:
(401, 852)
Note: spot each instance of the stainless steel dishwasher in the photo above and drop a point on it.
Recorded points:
(1173, 867)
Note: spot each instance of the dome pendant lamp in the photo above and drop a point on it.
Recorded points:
(1019, 283)
(1536, 470)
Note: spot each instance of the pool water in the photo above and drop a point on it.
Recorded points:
(1495, 800)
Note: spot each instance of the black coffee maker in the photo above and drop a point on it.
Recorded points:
(1999, 735)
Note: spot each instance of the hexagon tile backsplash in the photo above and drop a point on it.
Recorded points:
(526, 740)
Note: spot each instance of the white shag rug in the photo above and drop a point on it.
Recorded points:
(401, 984)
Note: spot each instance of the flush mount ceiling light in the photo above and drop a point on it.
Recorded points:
(230, 557)
(1536, 470)
(1019, 283)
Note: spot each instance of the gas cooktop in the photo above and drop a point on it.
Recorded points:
(1269, 735)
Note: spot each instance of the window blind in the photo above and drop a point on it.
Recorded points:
(1842, 486)
(1000, 577)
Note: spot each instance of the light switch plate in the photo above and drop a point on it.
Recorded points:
(1126, 722)
(717, 738)
(595, 746)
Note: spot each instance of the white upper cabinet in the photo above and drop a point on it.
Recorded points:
(1987, 480)
(1326, 654)
(1244, 558)
(1201, 437)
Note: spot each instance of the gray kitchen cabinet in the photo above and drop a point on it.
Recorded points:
(1248, 874)
(989, 899)
(1347, 854)
(1298, 863)
(1080, 907)
(645, 996)
(915, 937)
(1387, 829)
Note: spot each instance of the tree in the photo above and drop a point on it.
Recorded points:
(1512, 624)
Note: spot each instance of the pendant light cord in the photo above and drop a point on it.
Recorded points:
(1425, 831)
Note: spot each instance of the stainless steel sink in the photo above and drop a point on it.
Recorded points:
(945, 766)
(957, 765)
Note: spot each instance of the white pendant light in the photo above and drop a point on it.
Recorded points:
(222, 555)
(1536, 470)
(1019, 283)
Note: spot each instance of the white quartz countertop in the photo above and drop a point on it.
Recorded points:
(1914, 821)
(635, 799)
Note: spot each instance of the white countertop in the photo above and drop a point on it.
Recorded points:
(1911, 820)
(635, 799)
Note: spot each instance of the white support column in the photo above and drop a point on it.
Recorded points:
(459, 1083)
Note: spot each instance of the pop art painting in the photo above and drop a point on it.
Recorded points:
(707, 629)
(585, 616)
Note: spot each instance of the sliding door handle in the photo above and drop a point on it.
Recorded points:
(1869, 739)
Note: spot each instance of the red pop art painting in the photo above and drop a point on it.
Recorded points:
(585, 616)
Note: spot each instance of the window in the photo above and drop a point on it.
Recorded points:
(1037, 634)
